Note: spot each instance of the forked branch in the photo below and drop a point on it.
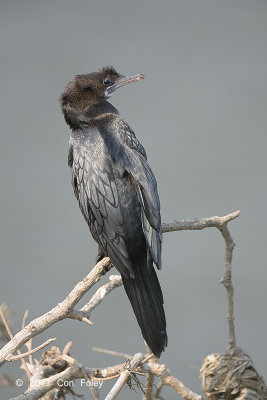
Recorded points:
(66, 309)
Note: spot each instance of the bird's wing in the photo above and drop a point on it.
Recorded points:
(151, 219)
(127, 135)
(127, 150)
(96, 191)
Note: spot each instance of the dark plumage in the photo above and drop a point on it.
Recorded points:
(117, 193)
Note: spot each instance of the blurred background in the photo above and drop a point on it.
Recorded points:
(200, 114)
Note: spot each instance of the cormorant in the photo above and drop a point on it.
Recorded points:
(117, 193)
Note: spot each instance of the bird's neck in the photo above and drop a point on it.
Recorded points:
(80, 120)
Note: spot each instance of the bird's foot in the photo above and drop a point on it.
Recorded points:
(107, 268)
(100, 257)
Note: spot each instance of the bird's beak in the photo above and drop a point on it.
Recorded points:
(123, 81)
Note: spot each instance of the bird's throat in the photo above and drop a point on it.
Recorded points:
(77, 120)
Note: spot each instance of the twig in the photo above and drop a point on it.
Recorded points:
(87, 379)
(67, 348)
(112, 353)
(167, 378)
(72, 361)
(159, 387)
(146, 359)
(85, 312)
(5, 322)
(28, 353)
(227, 282)
(24, 364)
(24, 319)
(124, 377)
(149, 377)
(29, 343)
(109, 378)
(29, 347)
(149, 387)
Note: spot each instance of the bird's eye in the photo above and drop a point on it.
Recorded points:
(107, 81)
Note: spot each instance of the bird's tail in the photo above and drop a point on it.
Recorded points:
(145, 295)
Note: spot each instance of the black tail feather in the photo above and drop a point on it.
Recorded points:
(146, 298)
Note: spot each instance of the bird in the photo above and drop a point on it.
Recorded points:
(117, 193)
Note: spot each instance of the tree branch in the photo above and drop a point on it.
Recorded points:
(56, 314)
(221, 224)
(149, 377)
(199, 223)
(124, 377)
(65, 308)
(30, 352)
(227, 282)
(112, 353)
(85, 312)
(167, 378)
(39, 386)
(23, 362)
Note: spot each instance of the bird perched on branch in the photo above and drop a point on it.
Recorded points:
(117, 193)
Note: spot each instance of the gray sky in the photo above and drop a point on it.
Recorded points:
(201, 115)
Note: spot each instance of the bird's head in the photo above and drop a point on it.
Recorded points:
(88, 90)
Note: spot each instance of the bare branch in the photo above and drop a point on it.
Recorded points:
(40, 384)
(67, 348)
(39, 387)
(24, 319)
(56, 314)
(149, 377)
(65, 309)
(85, 312)
(124, 377)
(8, 312)
(167, 378)
(227, 282)
(72, 361)
(24, 364)
(221, 224)
(2, 315)
(159, 387)
(146, 359)
(112, 353)
(29, 343)
(199, 223)
(28, 353)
